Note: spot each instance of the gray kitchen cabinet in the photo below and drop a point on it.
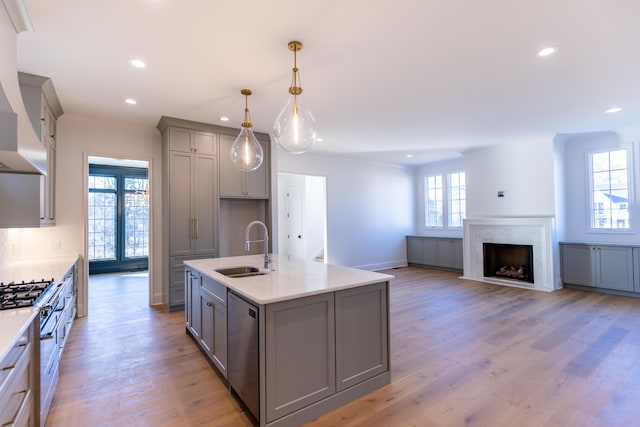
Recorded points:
(192, 315)
(191, 208)
(213, 309)
(19, 404)
(192, 141)
(636, 270)
(598, 266)
(43, 108)
(415, 250)
(361, 334)
(300, 358)
(449, 253)
(437, 252)
(235, 183)
(206, 316)
(213, 338)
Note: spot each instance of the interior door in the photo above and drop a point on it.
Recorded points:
(295, 238)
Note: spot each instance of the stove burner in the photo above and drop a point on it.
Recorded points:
(24, 294)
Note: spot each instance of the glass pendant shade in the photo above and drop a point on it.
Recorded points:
(295, 128)
(246, 152)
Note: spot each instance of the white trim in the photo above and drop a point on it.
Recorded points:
(607, 148)
(83, 298)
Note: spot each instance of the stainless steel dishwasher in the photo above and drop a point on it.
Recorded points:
(242, 339)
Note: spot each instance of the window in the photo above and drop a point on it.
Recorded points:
(433, 192)
(609, 179)
(437, 214)
(457, 199)
(118, 223)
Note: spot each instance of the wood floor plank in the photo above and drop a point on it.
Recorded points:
(462, 353)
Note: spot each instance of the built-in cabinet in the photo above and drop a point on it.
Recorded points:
(190, 175)
(54, 335)
(608, 267)
(322, 345)
(18, 381)
(206, 316)
(43, 108)
(235, 183)
(438, 252)
(315, 353)
(197, 174)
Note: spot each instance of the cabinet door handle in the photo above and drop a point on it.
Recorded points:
(195, 228)
(191, 230)
(209, 304)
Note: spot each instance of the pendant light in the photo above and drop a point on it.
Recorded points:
(246, 152)
(295, 127)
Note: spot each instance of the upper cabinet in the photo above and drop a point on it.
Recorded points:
(192, 141)
(43, 108)
(237, 184)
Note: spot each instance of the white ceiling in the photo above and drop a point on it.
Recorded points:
(383, 78)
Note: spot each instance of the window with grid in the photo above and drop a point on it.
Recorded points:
(610, 190)
(434, 216)
(136, 217)
(102, 217)
(456, 199)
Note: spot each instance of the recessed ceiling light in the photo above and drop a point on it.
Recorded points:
(547, 51)
(319, 139)
(409, 156)
(131, 101)
(224, 118)
(613, 110)
(138, 63)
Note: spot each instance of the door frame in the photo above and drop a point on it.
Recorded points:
(281, 206)
(83, 288)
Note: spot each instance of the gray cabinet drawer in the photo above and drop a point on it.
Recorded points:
(218, 290)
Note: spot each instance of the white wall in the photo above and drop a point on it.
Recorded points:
(577, 202)
(370, 208)
(442, 167)
(524, 171)
(79, 137)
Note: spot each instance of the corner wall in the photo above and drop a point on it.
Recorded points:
(370, 207)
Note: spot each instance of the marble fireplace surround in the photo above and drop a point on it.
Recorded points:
(535, 231)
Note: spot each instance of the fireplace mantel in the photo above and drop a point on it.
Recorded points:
(536, 231)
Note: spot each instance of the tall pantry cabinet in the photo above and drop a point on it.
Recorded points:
(193, 164)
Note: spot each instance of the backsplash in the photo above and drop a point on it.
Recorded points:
(20, 243)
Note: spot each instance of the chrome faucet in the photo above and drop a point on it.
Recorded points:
(267, 259)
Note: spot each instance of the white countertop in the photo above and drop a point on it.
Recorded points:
(37, 269)
(13, 323)
(288, 278)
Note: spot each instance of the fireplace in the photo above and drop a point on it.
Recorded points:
(508, 261)
(538, 232)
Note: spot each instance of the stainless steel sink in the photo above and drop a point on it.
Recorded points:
(243, 271)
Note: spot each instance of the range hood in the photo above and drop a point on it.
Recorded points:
(20, 148)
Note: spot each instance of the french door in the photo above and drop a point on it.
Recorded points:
(118, 226)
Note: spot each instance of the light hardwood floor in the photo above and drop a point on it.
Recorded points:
(462, 353)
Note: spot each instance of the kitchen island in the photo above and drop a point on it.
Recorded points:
(294, 341)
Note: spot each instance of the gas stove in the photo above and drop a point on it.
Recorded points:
(24, 294)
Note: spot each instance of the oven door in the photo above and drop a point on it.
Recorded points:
(49, 355)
